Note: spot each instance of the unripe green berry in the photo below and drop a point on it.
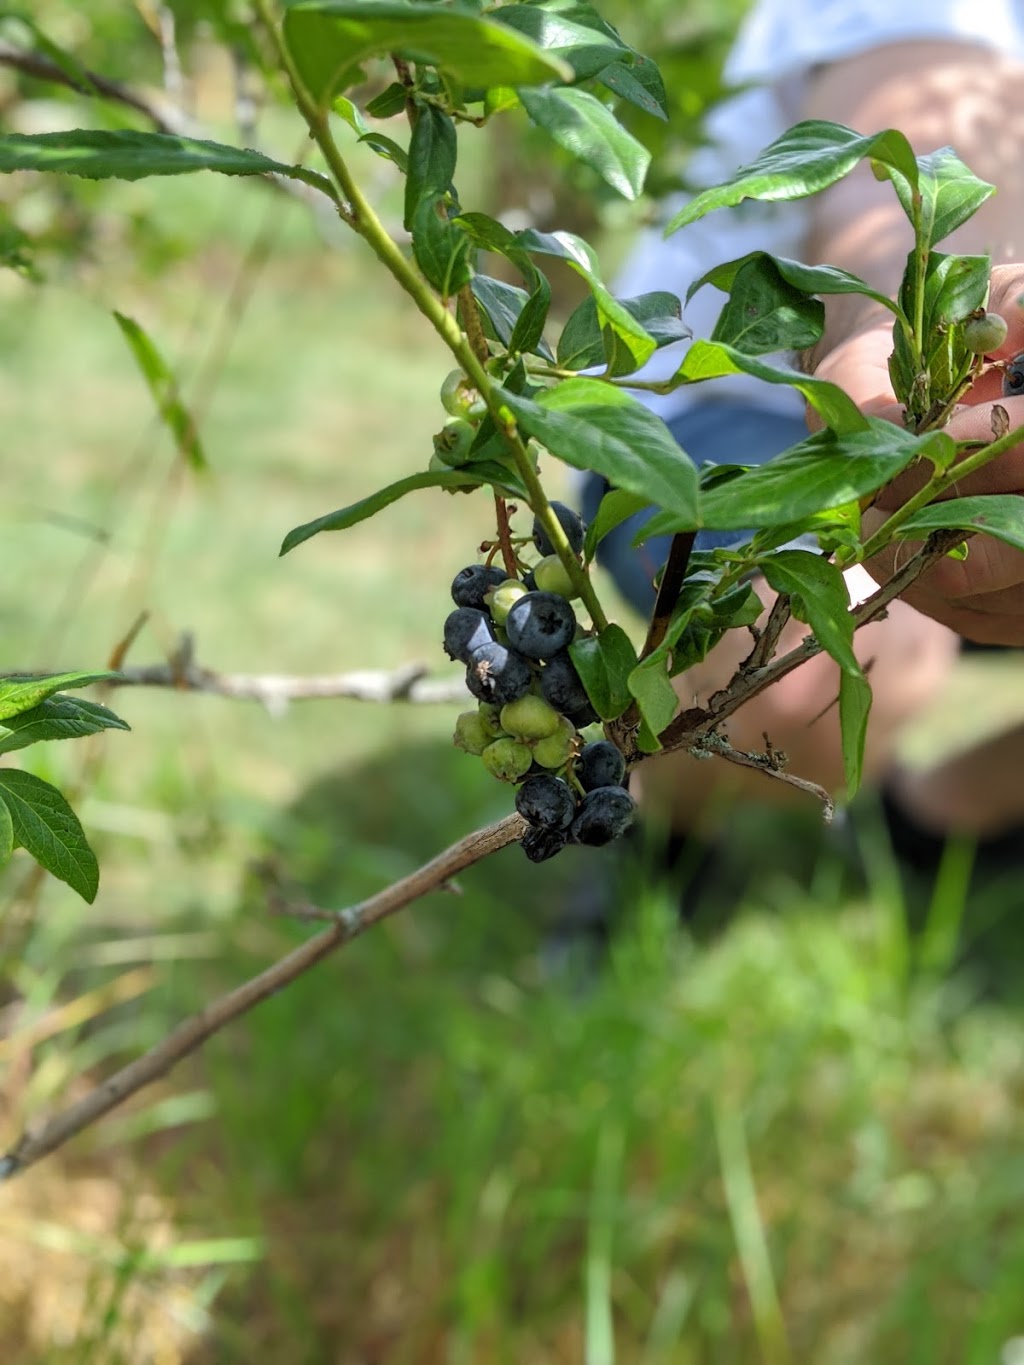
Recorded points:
(490, 718)
(452, 442)
(551, 575)
(985, 334)
(503, 598)
(471, 734)
(555, 751)
(507, 759)
(461, 398)
(530, 718)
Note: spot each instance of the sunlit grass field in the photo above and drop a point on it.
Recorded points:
(786, 1128)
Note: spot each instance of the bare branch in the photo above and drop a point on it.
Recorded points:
(771, 763)
(192, 1033)
(764, 646)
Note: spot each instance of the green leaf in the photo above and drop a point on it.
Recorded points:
(528, 333)
(807, 158)
(586, 341)
(594, 426)
(854, 707)
(819, 598)
(998, 515)
(640, 85)
(604, 663)
(376, 502)
(389, 102)
(164, 388)
(57, 718)
(631, 345)
(433, 149)
(655, 697)
(591, 133)
(764, 313)
(712, 359)
(812, 279)
(132, 156)
(6, 833)
(825, 471)
(47, 828)
(19, 692)
(587, 49)
(614, 508)
(950, 194)
(511, 315)
(442, 250)
(345, 109)
(330, 40)
(387, 148)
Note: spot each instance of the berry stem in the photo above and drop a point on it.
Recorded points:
(362, 218)
(508, 554)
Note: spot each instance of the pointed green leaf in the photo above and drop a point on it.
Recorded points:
(368, 507)
(604, 663)
(511, 315)
(594, 426)
(827, 470)
(47, 828)
(586, 48)
(764, 313)
(950, 194)
(57, 718)
(590, 132)
(812, 279)
(164, 388)
(854, 708)
(712, 359)
(20, 692)
(999, 515)
(6, 833)
(587, 341)
(387, 148)
(330, 40)
(640, 85)
(614, 508)
(442, 250)
(132, 156)
(655, 697)
(819, 598)
(433, 149)
(807, 158)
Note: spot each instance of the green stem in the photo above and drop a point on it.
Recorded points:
(935, 486)
(364, 220)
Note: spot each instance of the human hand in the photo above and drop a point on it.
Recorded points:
(980, 597)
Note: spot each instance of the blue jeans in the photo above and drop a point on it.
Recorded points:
(724, 432)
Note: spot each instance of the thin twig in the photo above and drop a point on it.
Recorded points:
(193, 1032)
(764, 646)
(770, 763)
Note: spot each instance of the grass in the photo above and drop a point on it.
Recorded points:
(788, 1130)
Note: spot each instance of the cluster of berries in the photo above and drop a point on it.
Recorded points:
(513, 635)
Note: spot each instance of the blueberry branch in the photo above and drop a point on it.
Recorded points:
(193, 1032)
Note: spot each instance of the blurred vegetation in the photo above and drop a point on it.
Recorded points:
(785, 1129)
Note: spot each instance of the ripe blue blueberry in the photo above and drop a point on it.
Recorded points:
(498, 674)
(1013, 377)
(572, 525)
(604, 814)
(600, 764)
(466, 629)
(540, 844)
(547, 802)
(540, 624)
(470, 584)
(561, 686)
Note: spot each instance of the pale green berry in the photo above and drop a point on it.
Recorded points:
(507, 759)
(471, 734)
(530, 718)
(985, 334)
(556, 750)
(503, 598)
(551, 575)
(461, 398)
(490, 718)
(452, 442)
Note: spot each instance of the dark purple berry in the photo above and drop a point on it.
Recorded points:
(541, 844)
(497, 673)
(547, 802)
(1013, 377)
(572, 525)
(604, 814)
(540, 624)
(466, 629)
(600, 764)
(561, 686)
(470, 584)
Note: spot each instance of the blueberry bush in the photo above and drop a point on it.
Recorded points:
(568, 703)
